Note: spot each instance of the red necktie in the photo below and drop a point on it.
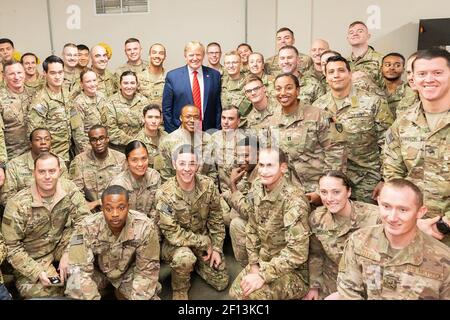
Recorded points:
(197, 96)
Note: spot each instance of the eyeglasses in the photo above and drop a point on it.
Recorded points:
(255, 89)
(99, 139)
(229, 63)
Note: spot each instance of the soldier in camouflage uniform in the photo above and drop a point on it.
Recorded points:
(256, 67)
(124, 112)
(139, 180)
(6, 54)
(15, 100)
(4, 294)
(71, 84)
(152, 133)
(93, 170)
(362, 118)
(105, 78)
(418, 144)
(331, 225)
(411, 96)
(307, 134)
(363, 58)
(239, 197)
(34, 81)
(151, 82)
(117, 246)
(90, 105)
(37, 226)
(191, 222)
(50, 109)
(277, 236)
(285, 37)
(395, 260)
(214, 53)
(232, 94)
(188, 133)
(134, 63)
(19, 172)
(244, 50)
(310, 88)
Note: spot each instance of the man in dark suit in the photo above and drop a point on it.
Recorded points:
(192, 84)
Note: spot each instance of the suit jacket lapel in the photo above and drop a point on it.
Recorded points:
(206, 84)
(187, 84)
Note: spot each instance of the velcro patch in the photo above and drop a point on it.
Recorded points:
(41, 109)
(166, 209)
(76, 240)
(6, 221)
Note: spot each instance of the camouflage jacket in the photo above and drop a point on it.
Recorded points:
(33, 229)
(91, 175)
(94, 247)
(394, 98)
(271, 65)
(138, 69)
(107, 83)
(277, 230)
(195, 222)
(152, 144)
(369, 63)
(232, 94)
(330, 233)
(152, 87)
(371, 269)
(409, 100)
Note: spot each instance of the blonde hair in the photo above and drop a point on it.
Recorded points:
(192, 45)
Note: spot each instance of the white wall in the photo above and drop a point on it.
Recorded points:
(174, 22)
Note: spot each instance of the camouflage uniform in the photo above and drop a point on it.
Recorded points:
(71, 84)
(393, 99)
(418, 154)
(268, 81)
(35, 86)
(92, 175)
(107, 84)
(3, 155)
(190, 224)
(163, 162)
(124, 119)
(330, 233)
(152, 86)
(277, 240)
(271, 65)
(241, 206)
(91, 111)
(369, 63)
(142, 193)
(310, 89)
(3, 254)
(37, 234)
(152, 144)
(363, 119)
(51, 111)
(14, 112)
(130, 262)
(233, 94)
(311, 141)
(322, 87)
(19, 175)
(370, 269)
(138, 69)
(410, 99)
(257, 120)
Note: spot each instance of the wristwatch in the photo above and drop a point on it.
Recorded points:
(442, 226)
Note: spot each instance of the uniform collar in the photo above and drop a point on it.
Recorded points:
(127, 233)
(412, 254)
(198, 192)
(37, 199)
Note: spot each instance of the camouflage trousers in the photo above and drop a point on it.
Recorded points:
(363, 186)
(29, 289)
(183, 260)
(124, 285)
(238, 236)
(228, 213)
(289, 286)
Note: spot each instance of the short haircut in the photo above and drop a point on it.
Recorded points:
(432, 53)
(232, 107)
(51, 59)
(337, 59)
(131, 40)
(289, 75)
(36, 130)
(214, 44)
(115, 189)
(98, 126)
(44, 156)
(194, 44)
(232, 53)
(252, 77)
(6, 40)
(70, 45)
(133, 145)
(330, 51)
(244, 45)
(259, 54)
(157, 44)
(249, 141)
(289, 47)
(82, 47)
(84, 71)
(128, 73)
(339, 175)
(282, 156)
(400, 183)
(184, 148)
(187, 106)
(394, 54)
(10, 63)
(354, 23)
(29, 54)
(152, 106)
(285, 29)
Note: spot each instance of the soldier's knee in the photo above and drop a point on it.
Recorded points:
(237, 226)
(184, 261)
